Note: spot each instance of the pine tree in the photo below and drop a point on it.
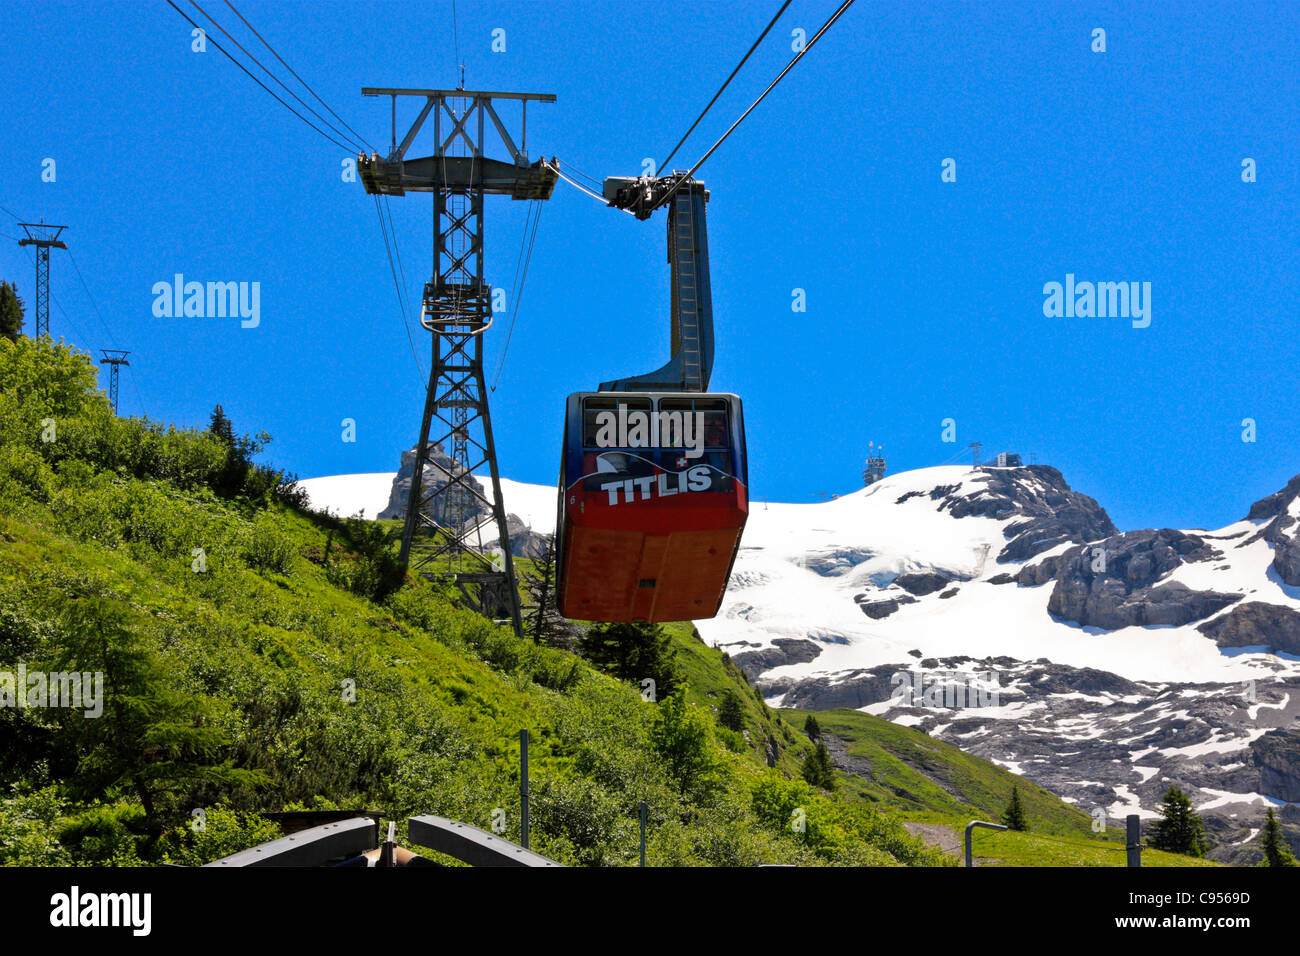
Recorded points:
(11, 312)
(1179, 830)
(812, 728)
(1276, 851)
(730, 712)
(634, 652)
(544, 623)
(817, 768)
(1013, 817)
(220, 426)
(239, 475)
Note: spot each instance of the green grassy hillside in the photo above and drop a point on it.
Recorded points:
(906, 769)
(260, 657)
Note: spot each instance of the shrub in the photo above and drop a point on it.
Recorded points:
(267, 545)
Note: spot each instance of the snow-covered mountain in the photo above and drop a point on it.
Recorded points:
(1102, 665)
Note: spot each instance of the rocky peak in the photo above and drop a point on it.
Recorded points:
(1282, 530)
(1045, 511)
(524, 542)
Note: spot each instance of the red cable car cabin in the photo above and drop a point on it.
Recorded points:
(653, 500)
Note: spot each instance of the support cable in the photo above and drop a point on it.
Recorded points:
(798, 56)
(518, 293)
(355, 134)
(341, 146)
(262, 67)
(401, 302)
(769, 26)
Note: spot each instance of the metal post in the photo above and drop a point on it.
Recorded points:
(523, 788)
(643, 833)
(1134, 840)
(970, 861)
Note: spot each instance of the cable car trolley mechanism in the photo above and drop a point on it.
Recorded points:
(654, 491)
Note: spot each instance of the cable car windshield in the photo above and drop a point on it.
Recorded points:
(629, 438)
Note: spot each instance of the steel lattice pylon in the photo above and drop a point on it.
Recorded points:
(114, 359)
(44, 239)
(443, 527)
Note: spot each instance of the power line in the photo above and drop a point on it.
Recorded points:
(798, 56)
(332, 128)
(766, 29)
(102, 322)
(357, 135)
(139, 396)
(259, 82)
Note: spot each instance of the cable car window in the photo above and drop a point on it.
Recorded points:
(714, 417)
(592, 418)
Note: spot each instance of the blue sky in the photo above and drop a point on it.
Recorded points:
(924, 298)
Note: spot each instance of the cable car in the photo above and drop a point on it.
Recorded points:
(655, 494)
(653, 490)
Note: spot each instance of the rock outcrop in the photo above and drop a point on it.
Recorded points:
(459, 505)
(921, 583)
(1256, 624)
(1277, 755)
(1282, 530)
(785, 650)
(1113, 583)
(880, 609)
(1046, 511)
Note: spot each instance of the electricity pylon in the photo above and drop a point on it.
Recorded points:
(44, 239)
(113, 358)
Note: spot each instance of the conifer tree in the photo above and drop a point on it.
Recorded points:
(11, 312)
(812, 728)
(730, 713)
(818, 769)
(634, 651)
(152, 739)
(1179, 830)
(1013, 817)
(1276, 851)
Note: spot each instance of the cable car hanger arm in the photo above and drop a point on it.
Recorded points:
(691, 318)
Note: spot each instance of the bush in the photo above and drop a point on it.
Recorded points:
(267, 545)
(218, 832)
(29, 829)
